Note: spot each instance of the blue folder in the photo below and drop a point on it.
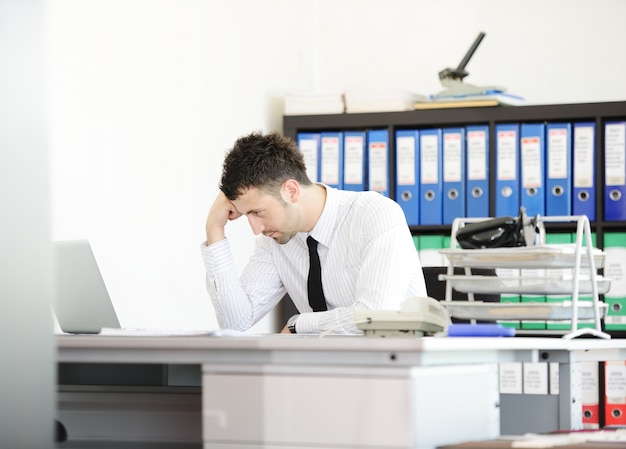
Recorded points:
(431, 183)
(331, 159)
(354, 160)
(532, 165)
(559, 169)
(507, 170)
(615, 171)
(477, 171)
(309, 145)
(453, 174)
(378, 161)
(407, 174)
(584, 168)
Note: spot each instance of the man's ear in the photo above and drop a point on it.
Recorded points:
(290, 191)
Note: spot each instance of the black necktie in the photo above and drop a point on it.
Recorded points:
(314, 285)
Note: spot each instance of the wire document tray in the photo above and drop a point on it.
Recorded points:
(546, 285)
(570, 269)
(552, 256)
(489, 311)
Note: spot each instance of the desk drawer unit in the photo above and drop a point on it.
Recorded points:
(275, 407)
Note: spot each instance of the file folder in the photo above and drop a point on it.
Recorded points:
(503, 274)
(532, 167)
(378, 161)
(585, 271)
(590, 395)
(309, 145)
(615, 171)
(559, 239)
(431, 185)
(331, 157)
(407, 174)
(533, 298)
(354, 160)
(507, 170)
(584, 158)
(453, 170)
(477, 172)
(559, 169)
(615, 393)
(615, 270)
(429, 246)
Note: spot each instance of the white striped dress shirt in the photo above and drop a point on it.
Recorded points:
(368, 260)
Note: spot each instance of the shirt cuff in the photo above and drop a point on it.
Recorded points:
(217, 257)
(307, 323)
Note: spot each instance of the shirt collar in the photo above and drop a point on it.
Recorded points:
(323, 229)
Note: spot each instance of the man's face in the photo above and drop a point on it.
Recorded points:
(275, 217)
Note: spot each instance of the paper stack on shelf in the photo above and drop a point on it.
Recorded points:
(381, 101)
(486, 99)
(313, 103)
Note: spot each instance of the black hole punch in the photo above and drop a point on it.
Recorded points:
(587, 414)
(406, 195)
(532, 191)
(477, 192)
(557, 191)
(616, 413)
(430, 195)
(453, 194)
(583, 196)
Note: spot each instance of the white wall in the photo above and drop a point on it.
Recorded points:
(146, 95)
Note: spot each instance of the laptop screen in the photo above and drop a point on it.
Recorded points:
(82, 303)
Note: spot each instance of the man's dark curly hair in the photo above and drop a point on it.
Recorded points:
(264, 161)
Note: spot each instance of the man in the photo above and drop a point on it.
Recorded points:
(366, 252)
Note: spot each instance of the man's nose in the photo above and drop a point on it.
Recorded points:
(255, 224)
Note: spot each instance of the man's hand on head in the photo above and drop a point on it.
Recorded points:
(222, 211)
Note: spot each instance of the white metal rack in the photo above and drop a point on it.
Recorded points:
(537, 255)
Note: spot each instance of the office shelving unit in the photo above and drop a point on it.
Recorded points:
(598, 113)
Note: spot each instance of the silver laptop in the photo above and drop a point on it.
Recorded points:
(82, 304)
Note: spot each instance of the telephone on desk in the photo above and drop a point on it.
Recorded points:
(417, 317)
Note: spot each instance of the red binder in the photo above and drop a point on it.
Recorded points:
(615, 393)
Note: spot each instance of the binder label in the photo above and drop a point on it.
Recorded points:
(532, 175)
(557, 160)
(330, 160)
(507, 156)
(452, 157)
(378, 166)
(353, 160)
(476, 156)
(614, 156)
(535, 378)
(615, 387)
(430, 159)
(308, 147)
(583, 162)
(405, 154)
(511, 378)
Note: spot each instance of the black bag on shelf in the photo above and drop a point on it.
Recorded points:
(500, 232)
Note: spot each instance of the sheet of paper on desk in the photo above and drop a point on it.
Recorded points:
(140, 332)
